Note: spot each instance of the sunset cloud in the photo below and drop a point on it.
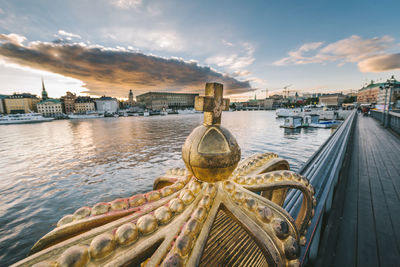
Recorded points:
(380, 63)
(234, 61)
(353, 49)
(12, 38)
(115, 70)
(68, 34)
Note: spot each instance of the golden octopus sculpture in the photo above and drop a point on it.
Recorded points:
(217, 212)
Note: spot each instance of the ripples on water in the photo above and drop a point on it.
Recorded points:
(48, 170)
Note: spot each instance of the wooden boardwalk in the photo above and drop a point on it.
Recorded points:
(363, 228)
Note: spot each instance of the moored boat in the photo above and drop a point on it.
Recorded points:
(293, 122)
(86, 116)
(23, 118)
(325, 124)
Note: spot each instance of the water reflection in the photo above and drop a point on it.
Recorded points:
(50, 169)
(289, 132)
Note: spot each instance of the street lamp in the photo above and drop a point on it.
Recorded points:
(388, 85)
(384, 107)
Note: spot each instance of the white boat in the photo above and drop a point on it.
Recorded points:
(325, 124)
(146, 113)
(23, 118)
(187, 111)
(310, 119)
(284, 112)
(86, 116)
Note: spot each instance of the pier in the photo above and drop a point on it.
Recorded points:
(362, 227)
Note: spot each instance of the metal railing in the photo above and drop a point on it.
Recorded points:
(322, 170)
(393, 119)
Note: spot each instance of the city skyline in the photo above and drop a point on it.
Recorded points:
(112, 46)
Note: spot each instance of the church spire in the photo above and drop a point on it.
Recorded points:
(130, 97)
(44, 93)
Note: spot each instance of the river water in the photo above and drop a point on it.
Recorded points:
(50, 169)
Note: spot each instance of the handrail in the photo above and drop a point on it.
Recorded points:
(322, 170)
(392, 120)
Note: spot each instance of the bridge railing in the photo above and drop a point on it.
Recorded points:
(322, 170)
(393, 120)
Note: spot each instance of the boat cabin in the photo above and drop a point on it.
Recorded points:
(293, 122)
(310, 119)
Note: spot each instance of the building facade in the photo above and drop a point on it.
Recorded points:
(332, 99)
(83, 104)
(21, 103)
(107, 104)
(2, 104)
(160, 100)
(49, 107)
(369, 94)
(382, 95)
(68, 103)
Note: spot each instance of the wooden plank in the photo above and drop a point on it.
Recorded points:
(369, 232)
(367, 254)
(346, 249)
(387, 247)
(389, 215)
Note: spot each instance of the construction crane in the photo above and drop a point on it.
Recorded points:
(286, 91)
(266, 92)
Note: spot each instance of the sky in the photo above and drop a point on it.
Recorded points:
(106, 47)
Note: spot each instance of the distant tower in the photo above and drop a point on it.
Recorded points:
(266, 93)
(130, 97)
(44, 93)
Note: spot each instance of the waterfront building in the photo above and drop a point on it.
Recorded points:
(68, 103)
(21, 103)
(382, 94)
(107, 104)
(369, 94)
(50, 107)
(83, 104)
(278, 101)
(2, 104)
(332, 99)
(44, 93)
(160, 100)
(266, 103)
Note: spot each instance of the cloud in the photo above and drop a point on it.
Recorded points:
(126, 4)
(380, 63)
(12, 38)
(353, 49)
(234, 62)
(158, 40)
(115, 70)
(67, 34)
(297, 56)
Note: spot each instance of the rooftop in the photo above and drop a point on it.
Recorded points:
(167, 93)
(55, 101)
(106, 98)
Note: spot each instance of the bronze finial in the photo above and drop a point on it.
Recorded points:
(215, 213)
(211, 152)
(212, 104)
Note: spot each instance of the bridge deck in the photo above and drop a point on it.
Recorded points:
(363, 228)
